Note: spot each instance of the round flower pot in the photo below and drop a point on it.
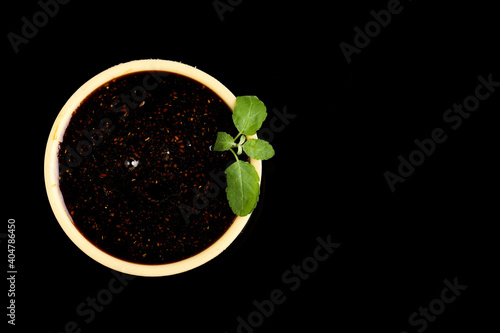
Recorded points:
(55, 170)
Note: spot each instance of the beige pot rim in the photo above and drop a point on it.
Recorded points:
(51, 170)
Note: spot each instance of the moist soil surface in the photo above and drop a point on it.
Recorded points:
(138, 173)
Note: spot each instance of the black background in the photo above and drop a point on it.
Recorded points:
(352, 121)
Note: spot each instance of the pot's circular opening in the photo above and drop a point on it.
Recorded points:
(51, 170)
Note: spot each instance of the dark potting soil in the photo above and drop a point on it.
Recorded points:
(137, 171)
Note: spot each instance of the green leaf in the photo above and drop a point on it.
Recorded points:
(242, 139)
(258, 149)
(248, 115)
(242, 187)
(224, 141)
